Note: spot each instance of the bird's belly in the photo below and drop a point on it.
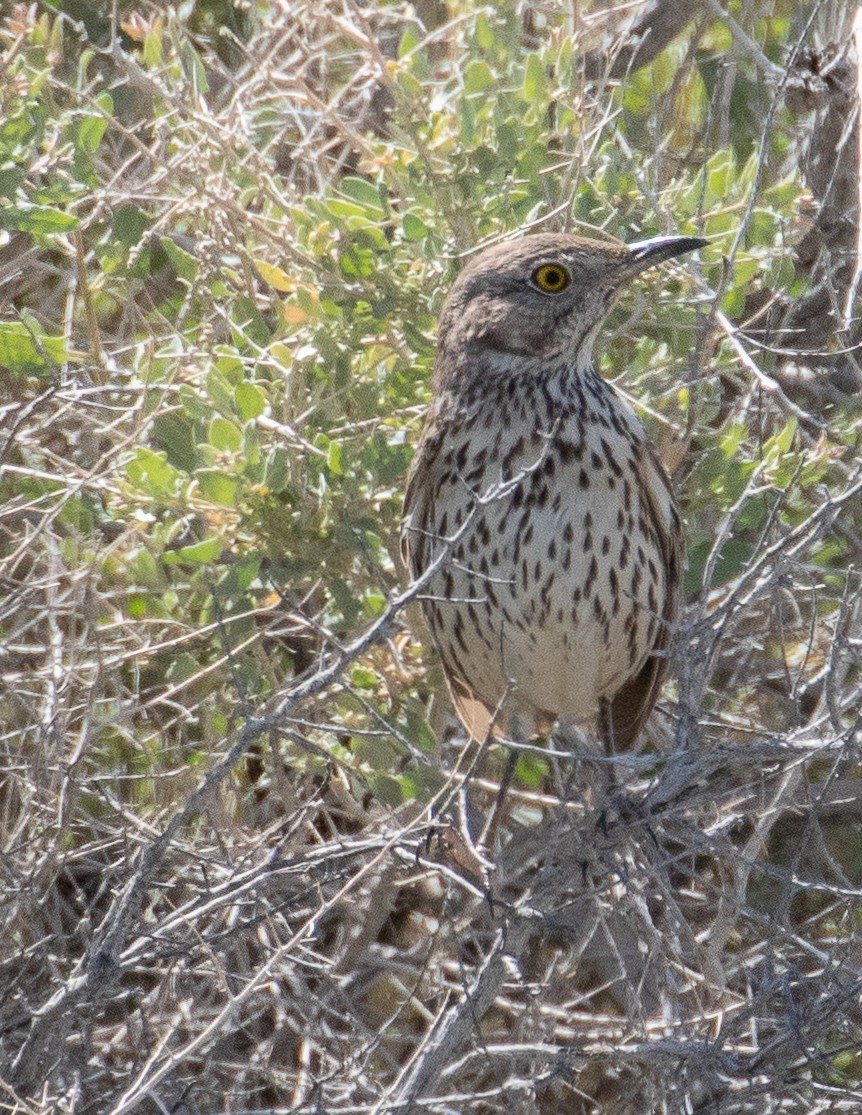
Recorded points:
(553, 603)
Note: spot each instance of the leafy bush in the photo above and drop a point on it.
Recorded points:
(226, 235)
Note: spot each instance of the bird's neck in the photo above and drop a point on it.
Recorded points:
(501, 382)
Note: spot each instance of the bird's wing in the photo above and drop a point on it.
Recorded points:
(623, 716)
(418, 500)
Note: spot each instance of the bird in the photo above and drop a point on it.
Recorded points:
(536, 507)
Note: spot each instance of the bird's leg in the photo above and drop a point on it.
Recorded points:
(488, 836)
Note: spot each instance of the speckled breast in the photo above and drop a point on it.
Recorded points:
(555, 582)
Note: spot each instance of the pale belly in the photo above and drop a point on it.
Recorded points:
(553, 595)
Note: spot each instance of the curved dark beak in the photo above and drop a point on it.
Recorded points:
(647, 253)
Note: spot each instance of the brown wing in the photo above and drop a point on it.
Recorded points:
(622, 718)
(417, 553)
(418, 512)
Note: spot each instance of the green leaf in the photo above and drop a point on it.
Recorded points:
(199, 553)
(276, 473)
(732, 439)
(225, 436)
(250, 401)
(219, 486)
(250, 321)
(719, 171)
(241, 574)
(194, 67)
(144, 570)
(183, 667)
(781, 442)
(420, 732)
(184, 263)
(531, 771)
(151, 473)
(365, 193)
(193, 405)
(335, 458)
(129, 224)
(37, 219)
(251, 453)
(409, 41)
(409, 85)
(535, 79)
(24, 350)
(92, 128)
(221, 391)
(387, 789)
(173, 431)
(478, 77)
(486, 36)
(363, 678)
(414, 229)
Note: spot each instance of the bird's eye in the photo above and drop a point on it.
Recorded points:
(551, 278)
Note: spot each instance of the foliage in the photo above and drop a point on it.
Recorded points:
(226, 233)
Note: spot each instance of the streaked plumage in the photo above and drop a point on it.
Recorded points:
(560, 593)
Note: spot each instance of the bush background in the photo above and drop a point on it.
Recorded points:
(225, 234)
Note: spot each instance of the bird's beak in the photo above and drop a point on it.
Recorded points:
(647, 253)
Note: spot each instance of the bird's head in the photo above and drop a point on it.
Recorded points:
(522, 303)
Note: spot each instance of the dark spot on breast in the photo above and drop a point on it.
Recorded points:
(592, 573)
(568, 451)
(613, 464)
(509, 459)
(459, 631)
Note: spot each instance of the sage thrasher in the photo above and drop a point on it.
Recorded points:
(535, 490)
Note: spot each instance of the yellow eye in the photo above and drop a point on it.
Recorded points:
(551, 278)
